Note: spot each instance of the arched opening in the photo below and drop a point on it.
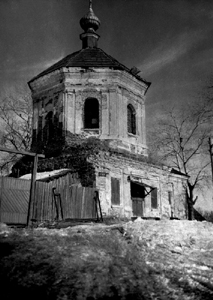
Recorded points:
(48, 129)
(131, 119)
(91, 113)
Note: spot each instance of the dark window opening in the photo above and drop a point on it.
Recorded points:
(115, 191)
(131, 119)
(91, 113)
(57, 126)
(137, 190)
(154, 198)
(48, 128)
(40, 129)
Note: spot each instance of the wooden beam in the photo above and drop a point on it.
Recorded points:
(21, 152)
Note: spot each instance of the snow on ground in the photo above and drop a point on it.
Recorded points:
(43, 175)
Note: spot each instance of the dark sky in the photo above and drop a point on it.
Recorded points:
(170, 41)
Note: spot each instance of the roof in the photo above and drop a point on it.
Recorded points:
(47, 176)
(174, 171)
(88, 57)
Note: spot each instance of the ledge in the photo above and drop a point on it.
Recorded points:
(133, 135)
(94, 131)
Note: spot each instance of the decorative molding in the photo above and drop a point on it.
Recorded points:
(113, 90)
(91, 94)
(132, 102)
(104, 101)
(135, 97)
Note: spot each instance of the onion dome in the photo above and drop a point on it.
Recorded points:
(89, 23)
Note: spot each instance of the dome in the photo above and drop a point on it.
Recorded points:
(90, 23)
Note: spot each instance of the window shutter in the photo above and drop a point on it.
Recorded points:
(115, 191)
(154, 198)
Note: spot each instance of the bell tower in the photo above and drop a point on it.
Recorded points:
(90, 94)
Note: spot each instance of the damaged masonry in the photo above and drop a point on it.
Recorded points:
(89, 96)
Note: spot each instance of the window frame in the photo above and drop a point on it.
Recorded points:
(154, 198)
(90, 115)
(131, 119)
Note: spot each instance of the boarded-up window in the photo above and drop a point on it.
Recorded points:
(131, 120)
(115, 191)
(154, 198)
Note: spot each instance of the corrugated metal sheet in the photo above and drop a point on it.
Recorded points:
(15, 201)
(13, 218)
(14, 194)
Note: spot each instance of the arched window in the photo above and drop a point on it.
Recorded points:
(48, 128)
(131, 119)
(91, 113)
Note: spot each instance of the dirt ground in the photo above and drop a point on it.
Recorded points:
(144, 259)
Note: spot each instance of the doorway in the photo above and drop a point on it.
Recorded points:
(137, 196)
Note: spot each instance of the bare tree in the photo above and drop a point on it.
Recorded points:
(16, 121)
(181, 140)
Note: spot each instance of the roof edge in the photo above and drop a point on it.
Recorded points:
(64, 62)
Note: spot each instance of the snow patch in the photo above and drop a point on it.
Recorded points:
(44, 175)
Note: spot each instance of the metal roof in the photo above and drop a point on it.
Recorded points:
(88, 57)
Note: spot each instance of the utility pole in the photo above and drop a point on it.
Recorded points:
(211, 154)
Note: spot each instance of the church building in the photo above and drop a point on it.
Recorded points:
(90, 96)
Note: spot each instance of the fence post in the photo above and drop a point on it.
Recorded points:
(210, 151)
(1, 197)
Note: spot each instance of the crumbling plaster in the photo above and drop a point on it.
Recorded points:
(126, 169)
(113, 89)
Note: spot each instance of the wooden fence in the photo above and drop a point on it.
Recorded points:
(77, 202)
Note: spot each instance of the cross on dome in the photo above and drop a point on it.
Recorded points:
(89, 23)
(90, 4)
